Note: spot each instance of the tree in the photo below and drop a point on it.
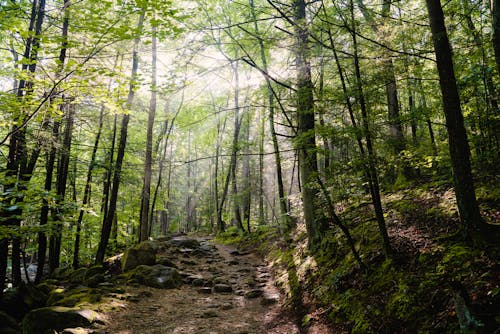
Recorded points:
(122, 143)
(473, 225)
(306, 141)
(148, 160)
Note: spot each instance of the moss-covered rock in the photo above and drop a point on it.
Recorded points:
(157, 276)
(142, 254)
(56, 318)
(80, 296)
(18, 301)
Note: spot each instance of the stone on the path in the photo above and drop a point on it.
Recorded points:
(78, 330)
(209, 314)
(205, 290)
(255, 293)
(199, 281)
(268, 299)
(46, 320)
(221, 280)
(157, 276)
(226, 306)
(183, 242)
(166, 262)
(222, 288)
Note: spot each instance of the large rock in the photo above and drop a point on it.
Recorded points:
(18, 301)
(46, 320)
(157, 276)
(141, 254)
(183, 242)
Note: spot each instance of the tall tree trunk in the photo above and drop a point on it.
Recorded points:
(495, 13)
(44, 214)
(472, 224)
(246, 196)
(396, 136)
(148, 160)
(86, 192)
(305, 142)
(108, 222)
(221, 226)
(261, 167)
(371, 169)
(231, 173)
(61, 182)
(284, 215)
(17, 171)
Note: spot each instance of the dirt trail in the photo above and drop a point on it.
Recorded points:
(253, 306)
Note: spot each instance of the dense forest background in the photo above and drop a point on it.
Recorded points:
(358, 124)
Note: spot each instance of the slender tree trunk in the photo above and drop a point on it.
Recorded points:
(231, 173)
(394, 119)
(495, 13)
(221, 226)
(246, 171)
(61, 182)
(146, 188)
(284, 214)
(86, 192)
(18, 171)
(261, 167)
(371, 169)
(44, 214)
(472, 224)
(108, 222)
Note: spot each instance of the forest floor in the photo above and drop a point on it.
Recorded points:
(253, 306)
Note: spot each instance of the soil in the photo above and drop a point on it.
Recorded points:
(196, 308)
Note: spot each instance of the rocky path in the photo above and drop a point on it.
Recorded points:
(223, 292)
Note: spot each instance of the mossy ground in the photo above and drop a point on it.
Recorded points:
(411, 292)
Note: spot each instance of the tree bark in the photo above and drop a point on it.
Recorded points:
(371, 169)
(305, 142)
(284, 215)
(495, 13)
(61, 182)
(108, 222)
(18, 171)
(148, 160)
(472, 223)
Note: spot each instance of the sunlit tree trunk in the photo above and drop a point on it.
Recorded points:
(246, 191)
(148, 161)
(108, 222)
(284, 216)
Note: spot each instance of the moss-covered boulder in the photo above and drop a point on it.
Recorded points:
(157, 276)
(56, 318)
(141, 254)
(18, 301)
(81, 295)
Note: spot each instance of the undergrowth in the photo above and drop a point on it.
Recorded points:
(418, 290)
